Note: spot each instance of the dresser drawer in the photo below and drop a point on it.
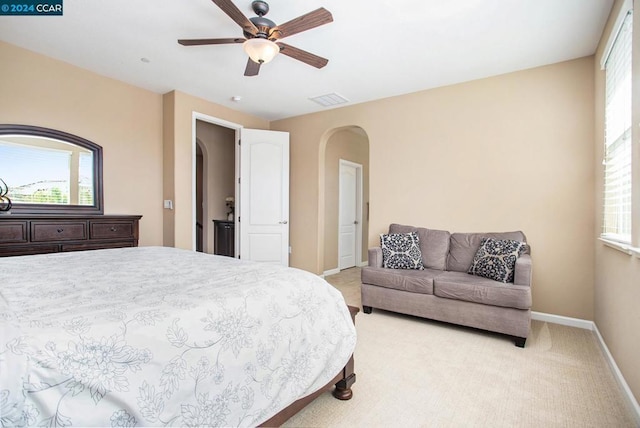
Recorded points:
(13, 232)
(62, 231)
(106, 230)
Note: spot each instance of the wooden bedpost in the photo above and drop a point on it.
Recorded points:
(343, 386)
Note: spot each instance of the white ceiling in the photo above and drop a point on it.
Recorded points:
(376, 49)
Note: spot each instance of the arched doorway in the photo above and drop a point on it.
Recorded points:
(347, 147)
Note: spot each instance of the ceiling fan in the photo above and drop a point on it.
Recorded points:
(261, 35)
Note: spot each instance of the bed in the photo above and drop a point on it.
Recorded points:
(157, 336)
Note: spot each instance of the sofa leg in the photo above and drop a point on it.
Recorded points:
(367, 309)
(520, 341)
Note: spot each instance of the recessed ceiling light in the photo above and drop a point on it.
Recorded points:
(236, 98)
(329, 100)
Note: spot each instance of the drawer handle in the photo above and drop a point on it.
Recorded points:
(114, 229)
(60, 230)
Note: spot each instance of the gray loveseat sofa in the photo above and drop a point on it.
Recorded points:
(444, 291)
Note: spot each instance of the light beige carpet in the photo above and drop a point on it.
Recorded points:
(418, 373)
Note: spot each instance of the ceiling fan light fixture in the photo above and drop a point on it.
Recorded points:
(260, 50)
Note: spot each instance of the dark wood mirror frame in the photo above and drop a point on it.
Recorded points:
(97, 207)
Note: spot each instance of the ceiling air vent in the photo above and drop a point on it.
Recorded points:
(329, 100)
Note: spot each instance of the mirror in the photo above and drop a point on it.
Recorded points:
(50, 171)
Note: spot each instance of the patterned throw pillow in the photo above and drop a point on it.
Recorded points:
(496, 259)
(401, 251)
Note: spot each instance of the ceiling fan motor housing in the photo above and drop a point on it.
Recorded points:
(263, 25)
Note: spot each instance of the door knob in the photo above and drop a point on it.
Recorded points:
(283, 222)
(355, 222)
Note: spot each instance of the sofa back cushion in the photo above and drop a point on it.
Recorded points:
(434, 244)
(464, 246)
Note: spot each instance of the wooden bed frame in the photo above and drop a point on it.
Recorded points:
(342, 391)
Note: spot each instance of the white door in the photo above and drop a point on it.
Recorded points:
(264, 196)
(349, 226)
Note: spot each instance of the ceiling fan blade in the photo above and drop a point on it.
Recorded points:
(304, 56)
(253, 68)
(302, 23)
(196, 42)
(234, 13)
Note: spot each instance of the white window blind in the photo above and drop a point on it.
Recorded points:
(617, 154)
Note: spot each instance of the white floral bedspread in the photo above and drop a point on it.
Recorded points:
(156, 336)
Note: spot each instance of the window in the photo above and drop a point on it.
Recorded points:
(617, 151)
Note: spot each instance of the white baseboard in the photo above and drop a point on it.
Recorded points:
(590, 325)
(618, 375)
(330, 272)
(559, 319)
(337, 270)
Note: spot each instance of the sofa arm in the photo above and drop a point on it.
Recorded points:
(523, 270)
(375, 257)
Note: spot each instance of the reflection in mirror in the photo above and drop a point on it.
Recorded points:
(50, 171)
(46, 171)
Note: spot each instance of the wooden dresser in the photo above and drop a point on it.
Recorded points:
(50, 233)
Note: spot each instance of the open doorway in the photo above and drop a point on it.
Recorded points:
(215, 183)
(345, 242)
(265, 172)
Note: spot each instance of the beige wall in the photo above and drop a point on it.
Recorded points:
(351, 145)
(168, 183)
(503, 153)
(178, 143)
(617, 274)
(126, 121)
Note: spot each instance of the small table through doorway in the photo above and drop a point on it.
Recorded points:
(223, 238)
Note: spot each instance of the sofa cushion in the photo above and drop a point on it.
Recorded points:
(401, 251)
(470, 288)
(434, 244)
(415, 281)
(496, 259)
(464, 246)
